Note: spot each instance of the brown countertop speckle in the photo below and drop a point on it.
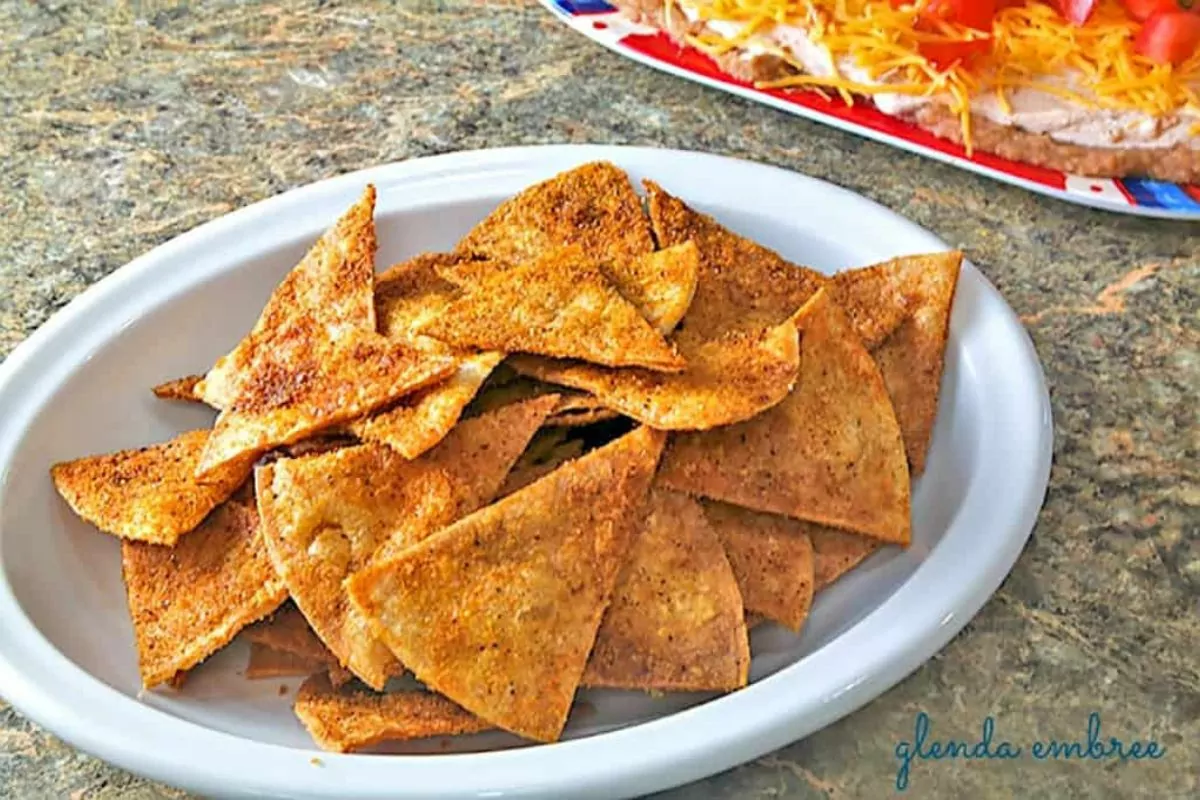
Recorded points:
(127, 124)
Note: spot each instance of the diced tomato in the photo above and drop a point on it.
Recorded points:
(1143, 10)
(944, 55)
(1076, 11)
(977, 14)
(1169, 37)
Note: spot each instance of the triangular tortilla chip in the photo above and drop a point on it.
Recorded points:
(348, 719)
(190, 600)
(911, 359)
(558, 305)
(727, 380)
(873, 300)
(410, 294)
(663, 290)
(772, 557)
(836, 553)
(325, 516)
(499, 611)
(423, 419)
(830, 452)
(593, 206)
(149, 494)
(180, 389)
(676, 621)
(742, 285)
(287, 631)
(328, 292)
(547, 451)
(265, 662)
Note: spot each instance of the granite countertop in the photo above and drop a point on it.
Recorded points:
(127, 124)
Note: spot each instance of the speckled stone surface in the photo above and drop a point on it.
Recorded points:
(126, 124)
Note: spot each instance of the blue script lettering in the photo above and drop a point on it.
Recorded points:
(921, 749)
(1094, 748)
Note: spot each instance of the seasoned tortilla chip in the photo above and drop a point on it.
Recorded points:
(911, 359)
(742, 285)
(266, 662)
(772, 557)
(676, 621)
(149, 494)
(726, 380)
(499, 611)
(316, 388)
(188, 601)
(873, 300)
(180, 389)
(325, 516)
(576, 409)
(327, 295)
(287, 631)
(547, 451)
(754, 620)
(410, 294)
(836, 553)
(348, 719)
(829, 453)
(423, 419)
(558, 305)
(593, 206)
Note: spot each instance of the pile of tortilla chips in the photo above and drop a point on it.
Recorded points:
(591, 446)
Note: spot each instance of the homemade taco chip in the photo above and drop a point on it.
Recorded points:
(727, 380)
(351, 718)
(265, 662)
(836, 553)
(410, 294)
(872, 299)
(190, 600)
(831, 452)
(593, 206)
(676, 621)
(772, 557)
(560, 304)
(421, 420)
(149, 494)
(288, 632)
(911, 359)
(180, 389)
(499, 611)
(547, 451)
(576, 409)
(325, 516)
(326, 295)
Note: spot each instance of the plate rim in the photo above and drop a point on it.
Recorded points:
(1077, 199)
(44, 685)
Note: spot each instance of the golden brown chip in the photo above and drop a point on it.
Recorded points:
(754, 620)
(325, 516)
(266, 662)
(499, 611)
(180, 389)
(593, 206)
(829, 453)
(676, 621)
(873, 300)
(287, 631)
(423, 419)
(666, 284)
(911, 359)
(351, 718)
(558, 305)
(328, 294)
(315, 389)
(836, 553)
(188, 601)
(727, 380)
(149, 494)
(742, 285)
(772, 557)
(411, 293)
(548, 451)
(576, 409)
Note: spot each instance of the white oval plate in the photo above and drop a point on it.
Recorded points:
(81, 383)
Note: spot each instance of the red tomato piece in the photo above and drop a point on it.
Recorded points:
(1076, 11)
(977, 14)
(1143, 10)
(944, 55)
(1169, 37)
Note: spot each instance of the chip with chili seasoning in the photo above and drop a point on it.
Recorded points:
(499, 611)
(288, 632)
(676, 621)
(352, 718)
(831, 452)
(837, 552)
(180, 389)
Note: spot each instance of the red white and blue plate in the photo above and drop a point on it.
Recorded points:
(604, 25)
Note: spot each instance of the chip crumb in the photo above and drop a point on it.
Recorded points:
(316, 762)
(283, 689)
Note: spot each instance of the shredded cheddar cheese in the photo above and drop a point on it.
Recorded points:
(1032, 47)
